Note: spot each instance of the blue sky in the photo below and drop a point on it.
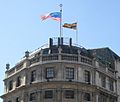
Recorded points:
(21, 28)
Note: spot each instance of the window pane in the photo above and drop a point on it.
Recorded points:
(87, 76)
(49, 94)
(33, 75)
(103, 81)
(32, 96)
(18, 82)
(11, 85)
(111, 86)
(69, 73)
(49, 73)
(17, 99)
(87, 96)
(102, 97)
(69, 94)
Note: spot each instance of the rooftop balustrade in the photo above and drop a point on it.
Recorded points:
(50, 58)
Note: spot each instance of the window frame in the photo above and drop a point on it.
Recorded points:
(32, 96)
(69, 73)
(17, 99)
(87, 96)
(49, 94)
(111, 84)
(87, 76)
(69, 94)
(10, 85)
(33, 75)
(103, 81)
(50, 73)
(18, 81)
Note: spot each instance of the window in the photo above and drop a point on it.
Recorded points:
(33, 75)
(49, 94)
(49, 73)
(102, 97)
(17, 99)
(112, 99)
(11, 85)
(32, 96)
(69, 94)
(87, 96)
(87, 76)
(46, 51)
(18, 82)
(111, 86)
(69, 73)
(103, 81)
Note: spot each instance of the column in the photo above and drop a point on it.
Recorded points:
(97, 98)
(59, 95)
(79, 57)
(59, 50)
(39, 95)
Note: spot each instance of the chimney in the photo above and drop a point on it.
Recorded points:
(50, 42)
(8, 66)
(62, 41)
(70, 42)
(59, 42)
(27, 54)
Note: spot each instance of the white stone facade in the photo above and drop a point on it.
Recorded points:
(61, 77)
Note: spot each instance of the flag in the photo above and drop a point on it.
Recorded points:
(54, 15)
(71, 26)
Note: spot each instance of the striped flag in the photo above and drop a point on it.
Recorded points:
(54, 15)
(71, 26)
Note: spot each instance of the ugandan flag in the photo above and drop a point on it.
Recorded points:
(71, 26)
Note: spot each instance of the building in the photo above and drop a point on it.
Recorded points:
(63, 72)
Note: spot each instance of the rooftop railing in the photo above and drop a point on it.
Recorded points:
(51, 58)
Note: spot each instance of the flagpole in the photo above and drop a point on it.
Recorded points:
(60, 22)
(76, 34)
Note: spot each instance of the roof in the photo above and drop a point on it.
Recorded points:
(105, 56)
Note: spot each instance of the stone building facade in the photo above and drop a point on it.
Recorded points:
(63, 72)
